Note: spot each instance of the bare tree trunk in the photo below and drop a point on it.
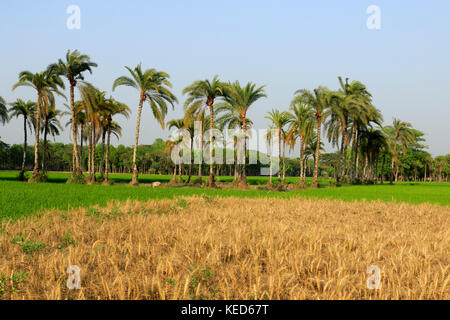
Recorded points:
(22, 172)
(108, 142)
(315, 183)
(44, 147)
(76, 165)
(352, 158)
(81, 148)
(301, 182)
(279, 154)
(211, 183)
(135, 180)
(36, 137)
(243, 178)
(190, 162)
(284, 162)
(103, 152)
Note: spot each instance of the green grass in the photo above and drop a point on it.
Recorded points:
(19, 199)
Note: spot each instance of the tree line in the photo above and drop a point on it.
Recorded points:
(346, 117)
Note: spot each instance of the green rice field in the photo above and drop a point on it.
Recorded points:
(18, 199)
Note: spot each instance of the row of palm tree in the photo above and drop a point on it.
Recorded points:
(346, 115)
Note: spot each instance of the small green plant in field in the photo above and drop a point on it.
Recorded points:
(203, 276)
(182, 203)
(29, 246)
(100, 216)
(12, 283)
(171, 282)
(67, 240)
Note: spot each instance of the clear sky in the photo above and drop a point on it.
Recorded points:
(285, 45)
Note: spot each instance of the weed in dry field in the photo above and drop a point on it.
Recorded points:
(232, 248)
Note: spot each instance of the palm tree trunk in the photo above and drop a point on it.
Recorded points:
(211, 183)
(352, 158)
(190, 162)
(103, 151)
(199, 178)
(89, 151)
(271, 162)
(36, 137)
(81, 148)
(279, 154)
(315, 183)
(358, 143)
(108, 141)
(284, 162)
(22, 172)
(44, 148)
(243, 178)
(135, 179)
(302, 167)
(76, 165)
(93, 153)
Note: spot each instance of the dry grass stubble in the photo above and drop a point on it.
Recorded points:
(203, 248)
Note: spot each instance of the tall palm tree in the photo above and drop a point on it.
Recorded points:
(240, 99)
(269, 139)
(301, 122)
(112, 108)
(373, 142)
(72, 68)
(320, 100)
(178, 124)
(229, 117)
(191, 117)
(279, 121)
(20, 108)
(50, 125)
(400, 132)
(3, 111)
(154, 87)
(203, 94)
(94, 102)
(45, 83)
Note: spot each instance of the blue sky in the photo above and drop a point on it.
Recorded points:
(285, 45)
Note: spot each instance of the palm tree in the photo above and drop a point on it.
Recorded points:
(203, 94)
(3, 111)
(26, 110)
(45, 83)
(301, 121)
(269, 138)
(169, 146)
(230, 118)
(72, 68)
(50, 125)
(373, 142)
(154, 87)
(400, 132)
(191, 117)
(320, 100)
(279, 121)
(93, 102)
(112, 108)
(240, 99)
(178, 124)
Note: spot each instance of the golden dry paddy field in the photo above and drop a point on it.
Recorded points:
(232, 248)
